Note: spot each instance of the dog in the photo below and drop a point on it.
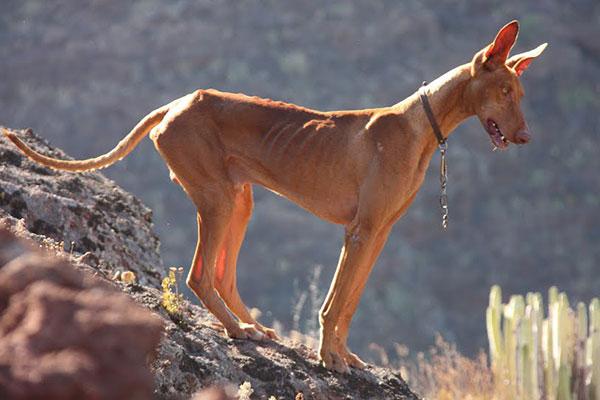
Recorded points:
(360, 169)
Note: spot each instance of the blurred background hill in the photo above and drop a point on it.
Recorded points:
(82, 74)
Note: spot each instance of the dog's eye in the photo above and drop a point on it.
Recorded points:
(505, 90)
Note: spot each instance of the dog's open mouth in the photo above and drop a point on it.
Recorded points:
(498, 139)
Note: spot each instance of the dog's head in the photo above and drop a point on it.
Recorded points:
(495, 91)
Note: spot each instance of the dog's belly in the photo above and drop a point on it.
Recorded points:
(321, 194)
(338, 211)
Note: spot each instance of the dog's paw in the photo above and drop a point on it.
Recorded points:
(338, 358)
(245, 331)
(352, 359)
(332, 360)
(268, 332)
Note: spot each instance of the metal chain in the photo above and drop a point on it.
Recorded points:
(443, 184)
(443, 144)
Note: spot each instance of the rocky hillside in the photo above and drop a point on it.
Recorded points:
(84, 214)
(111, 231)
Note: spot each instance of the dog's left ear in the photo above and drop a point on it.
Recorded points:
(497, 52)
(520, 62)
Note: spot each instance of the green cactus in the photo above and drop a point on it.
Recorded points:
(579, 367)
(593, 350)
(562, 349)
(537, 359)
(533, 367)
(553, 358)
(493, 318)
(513, 313)
(526, 344)
(549, 372)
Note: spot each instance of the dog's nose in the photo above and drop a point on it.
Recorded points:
(522, 137)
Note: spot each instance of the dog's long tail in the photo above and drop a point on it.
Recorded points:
(122, 149)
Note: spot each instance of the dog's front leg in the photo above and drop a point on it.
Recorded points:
(343, 325)
(362, 245)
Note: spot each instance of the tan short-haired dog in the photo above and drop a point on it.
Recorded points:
(359, 168)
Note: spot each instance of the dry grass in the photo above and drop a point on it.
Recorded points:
(447, 375)
(444, 373)
(441, 374)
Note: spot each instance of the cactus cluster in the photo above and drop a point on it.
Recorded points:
(553, 357)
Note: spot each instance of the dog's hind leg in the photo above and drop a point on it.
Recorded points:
(226, 283)
(196, 160)
(213, 224)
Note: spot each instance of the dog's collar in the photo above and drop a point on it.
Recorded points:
(429, 112)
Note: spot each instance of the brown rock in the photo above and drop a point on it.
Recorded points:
(67, 335)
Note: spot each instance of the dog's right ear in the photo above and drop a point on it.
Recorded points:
(496, 53)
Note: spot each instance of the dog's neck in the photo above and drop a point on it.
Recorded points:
(447, 96)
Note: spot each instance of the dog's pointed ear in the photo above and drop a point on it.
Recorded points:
(521, 61)
(497, 52)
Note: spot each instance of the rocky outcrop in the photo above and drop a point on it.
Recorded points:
(65, 334)
(196, 354)
(111, 231)
(84, 214)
